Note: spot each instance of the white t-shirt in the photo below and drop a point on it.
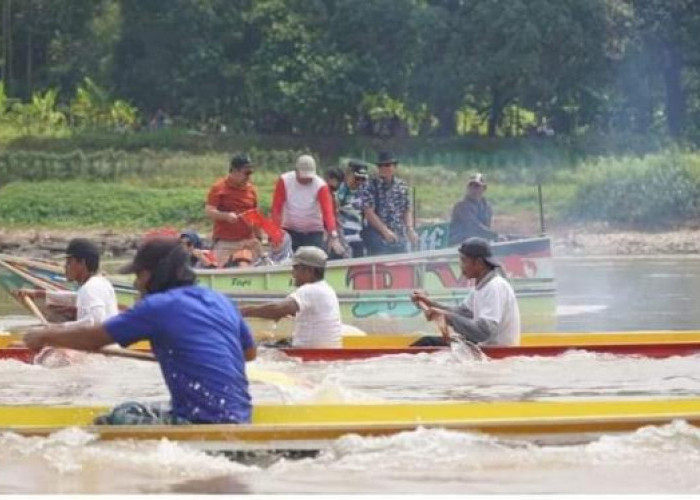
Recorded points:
(318, 322)
(301, 210)
(95, 301)
(495, 301)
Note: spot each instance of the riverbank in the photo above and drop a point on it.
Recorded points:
(582, 241)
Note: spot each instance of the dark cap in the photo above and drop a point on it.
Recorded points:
(478, 248)
(386, 158)
(194, 238)
(241, 160)
(80, 248)
(149, 254)
(359, 169)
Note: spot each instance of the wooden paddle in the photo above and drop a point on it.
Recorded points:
(254, 374)
(441, 323)
(29, 302)
(445, 332)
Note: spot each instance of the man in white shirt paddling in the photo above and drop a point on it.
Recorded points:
(490, 315)
(95, 301)
(314, 304)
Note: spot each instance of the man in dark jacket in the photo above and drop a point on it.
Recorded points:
(471, 217)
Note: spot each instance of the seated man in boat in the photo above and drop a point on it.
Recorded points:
(314, 304)
(197, 335)
(199, 256)
(471, 217)
(490, 314)
(95, 300)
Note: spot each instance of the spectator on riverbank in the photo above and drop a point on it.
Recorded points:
(387, 207)
(471, 216)
(302, 205)
(228, 198)
(350, 215)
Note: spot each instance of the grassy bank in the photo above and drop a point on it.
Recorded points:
(152, 189)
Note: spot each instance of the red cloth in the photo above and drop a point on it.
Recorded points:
(256, 219)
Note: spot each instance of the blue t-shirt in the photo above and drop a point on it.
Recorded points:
(199, 339)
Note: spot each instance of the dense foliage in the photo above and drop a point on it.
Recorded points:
(387, 68)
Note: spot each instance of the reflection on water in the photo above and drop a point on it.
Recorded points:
(628, 294)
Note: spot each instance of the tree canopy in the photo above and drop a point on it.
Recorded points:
(379, 67)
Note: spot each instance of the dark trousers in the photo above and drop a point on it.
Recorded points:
(376, 245)
(314, 239)
(357, 249)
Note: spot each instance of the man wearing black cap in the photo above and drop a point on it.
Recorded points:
(490, 315)
(471, 217)
(197, 336)
(95, 300)
(350, 215)
(228, 198)
(387, 207)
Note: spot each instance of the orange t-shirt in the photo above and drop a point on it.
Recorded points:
(227, 198)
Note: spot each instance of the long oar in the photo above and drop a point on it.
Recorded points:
(455, 344)
(255, 374)
(441, 323)
(29, 302)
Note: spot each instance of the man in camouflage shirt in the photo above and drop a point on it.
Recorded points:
(387, 209)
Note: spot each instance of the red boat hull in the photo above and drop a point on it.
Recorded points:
(641, 350)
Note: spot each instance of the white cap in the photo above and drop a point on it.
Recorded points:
(306, 166)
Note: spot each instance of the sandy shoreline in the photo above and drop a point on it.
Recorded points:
(587, 241)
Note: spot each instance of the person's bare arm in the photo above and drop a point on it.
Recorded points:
(271, 310)
(251, 353)
(215, 214)
(82, 338)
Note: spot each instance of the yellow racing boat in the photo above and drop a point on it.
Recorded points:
(304, 426)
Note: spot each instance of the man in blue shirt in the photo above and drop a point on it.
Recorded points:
(197, 335)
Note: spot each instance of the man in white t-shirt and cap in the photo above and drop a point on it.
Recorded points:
(302, 205)
(490, 315)
(314, 304)
(94, 302)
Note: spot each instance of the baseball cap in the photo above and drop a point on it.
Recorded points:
(194, 238)
(306, 166)
(149, 254)
(310, 256)
(84, 249)
(477, 179)
(478, 248)
(241, 160)
(359, 169)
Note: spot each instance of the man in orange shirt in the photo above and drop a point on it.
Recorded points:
(228, 198)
